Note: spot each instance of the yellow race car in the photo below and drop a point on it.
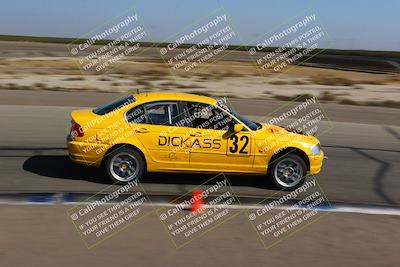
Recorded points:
(175, 132)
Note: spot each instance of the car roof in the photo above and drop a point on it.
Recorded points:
(166, 96)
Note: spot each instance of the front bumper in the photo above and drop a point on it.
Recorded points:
(316, 163)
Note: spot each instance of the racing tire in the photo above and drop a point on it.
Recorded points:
(287, 172)
(124, 165)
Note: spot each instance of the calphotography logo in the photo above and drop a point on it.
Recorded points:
(104, 48)
(289, 45)
(280, 218)
(184, 220)
(306, 117)
(107, 213)
(202, 43)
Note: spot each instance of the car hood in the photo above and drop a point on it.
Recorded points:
(281, 134)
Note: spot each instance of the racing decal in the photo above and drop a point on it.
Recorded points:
(179, 141)
(170, 141)
(238, 145)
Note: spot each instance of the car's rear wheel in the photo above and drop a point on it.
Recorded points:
(288, 172)
(124, 165)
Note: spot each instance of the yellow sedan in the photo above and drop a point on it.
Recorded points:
(175, 132)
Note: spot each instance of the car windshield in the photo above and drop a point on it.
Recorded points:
(117, 104)
(251, 124)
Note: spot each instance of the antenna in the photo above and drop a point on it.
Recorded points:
(137, 91)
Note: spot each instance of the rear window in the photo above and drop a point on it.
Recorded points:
(117, 104)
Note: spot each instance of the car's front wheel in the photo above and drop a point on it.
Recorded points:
(124, 165)
(288, 172)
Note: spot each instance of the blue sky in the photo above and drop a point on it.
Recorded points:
(351, 24)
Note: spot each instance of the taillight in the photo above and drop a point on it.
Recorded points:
(76, 130)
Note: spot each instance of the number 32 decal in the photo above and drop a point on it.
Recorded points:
(239, 145)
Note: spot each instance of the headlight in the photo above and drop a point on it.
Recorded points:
(316, 150)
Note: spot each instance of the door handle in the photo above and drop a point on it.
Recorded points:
(142, 130)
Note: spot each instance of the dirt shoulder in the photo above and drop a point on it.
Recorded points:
(35, 66)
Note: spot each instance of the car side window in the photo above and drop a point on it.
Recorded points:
(205, 116)
(162, 113)
(136, 115)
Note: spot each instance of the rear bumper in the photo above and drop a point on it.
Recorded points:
(86, 153)
(316, 163)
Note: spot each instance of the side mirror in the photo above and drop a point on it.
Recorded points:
(237, 128)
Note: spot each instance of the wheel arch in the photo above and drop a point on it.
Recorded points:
(290, 150)
(118, 146)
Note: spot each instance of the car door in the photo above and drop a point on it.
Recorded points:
(155, 125)
(213, 145)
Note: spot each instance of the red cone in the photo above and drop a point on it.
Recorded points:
(197, 206)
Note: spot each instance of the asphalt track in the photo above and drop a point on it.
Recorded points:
(363, 165)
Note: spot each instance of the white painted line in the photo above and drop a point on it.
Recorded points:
(340, 208)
